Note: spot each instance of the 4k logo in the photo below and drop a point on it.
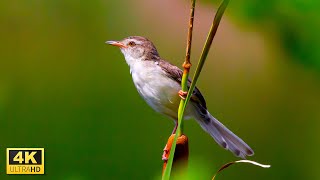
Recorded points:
(25, 160)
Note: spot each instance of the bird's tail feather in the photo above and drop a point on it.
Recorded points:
(223, 136)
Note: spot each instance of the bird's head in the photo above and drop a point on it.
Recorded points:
(137, 48)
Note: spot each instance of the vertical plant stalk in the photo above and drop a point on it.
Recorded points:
(187, 65)
(184, 87)
(206, 48)
(186, 68)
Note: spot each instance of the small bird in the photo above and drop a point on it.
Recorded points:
(159, 84)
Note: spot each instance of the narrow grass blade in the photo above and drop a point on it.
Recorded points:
(240, 161)
(206, 48)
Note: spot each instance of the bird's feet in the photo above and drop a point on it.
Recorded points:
(165, 154)
(183, 94)
(167, 148)
(182, 146)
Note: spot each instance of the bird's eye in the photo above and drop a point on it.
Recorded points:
(131, 43)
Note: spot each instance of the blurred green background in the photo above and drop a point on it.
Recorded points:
(63, 89)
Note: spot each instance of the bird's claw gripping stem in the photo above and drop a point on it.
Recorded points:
(167, 148)
(165, 154)
(183, 94)
(182, 146)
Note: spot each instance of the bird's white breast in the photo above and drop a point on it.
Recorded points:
(158, 90)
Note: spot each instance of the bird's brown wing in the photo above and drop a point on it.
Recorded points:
(176, 73)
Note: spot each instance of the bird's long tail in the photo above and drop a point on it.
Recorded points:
(223, 136)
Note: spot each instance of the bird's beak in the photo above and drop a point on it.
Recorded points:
(116, 43)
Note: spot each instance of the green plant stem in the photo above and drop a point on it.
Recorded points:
(186, 66)
(206, 48)
(184, 102)
(184, 87)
